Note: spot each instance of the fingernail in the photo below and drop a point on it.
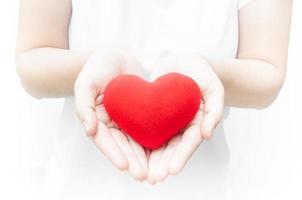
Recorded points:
(151, 182)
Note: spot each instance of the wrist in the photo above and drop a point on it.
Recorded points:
(221, 69)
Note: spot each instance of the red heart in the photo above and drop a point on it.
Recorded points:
(152, 112)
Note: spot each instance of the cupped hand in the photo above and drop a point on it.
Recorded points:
(120, 149)
(171, 158)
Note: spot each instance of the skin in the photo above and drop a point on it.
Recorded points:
(171, 159)
(101, 67)
(47, 68)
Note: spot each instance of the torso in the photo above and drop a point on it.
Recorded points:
(147, 29)
(150, 28)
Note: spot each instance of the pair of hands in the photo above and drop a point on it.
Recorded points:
(122, 150)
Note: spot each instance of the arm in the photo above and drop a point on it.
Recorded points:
(256, 76)
(48, 69)
(44, 64)
(251, 80)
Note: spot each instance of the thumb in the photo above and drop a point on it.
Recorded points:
(208, 124)
(213, 111)
(85, 109)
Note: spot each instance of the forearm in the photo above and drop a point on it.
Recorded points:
(248, 82)
(49, 72)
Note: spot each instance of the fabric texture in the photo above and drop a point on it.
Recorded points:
(147, 29)
(242, 3)
(152, 112)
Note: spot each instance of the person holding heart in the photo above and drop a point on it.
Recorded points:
(149, 83)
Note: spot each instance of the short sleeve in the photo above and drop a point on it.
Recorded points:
(242, 3)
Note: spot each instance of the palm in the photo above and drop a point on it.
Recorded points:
(171, 158)
(164, 161)
(122, 150)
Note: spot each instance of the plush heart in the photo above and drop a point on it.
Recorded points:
(152, 112)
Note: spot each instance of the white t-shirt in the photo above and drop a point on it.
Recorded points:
(147, 29)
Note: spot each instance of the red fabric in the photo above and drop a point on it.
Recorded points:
(152, 112)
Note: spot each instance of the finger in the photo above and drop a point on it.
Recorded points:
(213, 110)
(135, 168)
(140, 154)
(102, 114)
(153, 162)
(112, 124)
(198, 117)
(148, 153)
(105, 142)
(188, 144)
(99, 99)
(161, 172)
(85, 109)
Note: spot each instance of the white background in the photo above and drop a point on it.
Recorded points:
(28, 125)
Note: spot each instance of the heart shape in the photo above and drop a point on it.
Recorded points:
(152, 112)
